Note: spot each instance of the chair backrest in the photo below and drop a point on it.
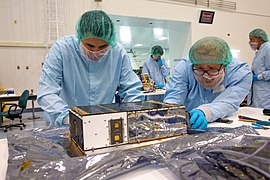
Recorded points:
(23, 99)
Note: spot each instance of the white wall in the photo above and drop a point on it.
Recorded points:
(26, 22)
(237, 24)
(23, 25)
(179, 44)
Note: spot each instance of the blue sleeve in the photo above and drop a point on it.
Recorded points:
(130, 84)
(229, 100)
(145, 68)
(177, 86)
(50, 87)
(266, 73)
(165, 70)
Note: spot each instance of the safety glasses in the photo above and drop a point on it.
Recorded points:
(210, 72)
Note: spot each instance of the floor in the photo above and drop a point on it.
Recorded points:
(28, 120)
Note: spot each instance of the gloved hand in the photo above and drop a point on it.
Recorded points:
(255, 77)
(160, 61)
(198, 119)
(160, 86)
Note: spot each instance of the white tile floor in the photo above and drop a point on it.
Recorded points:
(30, 123)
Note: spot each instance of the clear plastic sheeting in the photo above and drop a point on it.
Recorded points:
(41, 153)
(38, 146)
(248, 160)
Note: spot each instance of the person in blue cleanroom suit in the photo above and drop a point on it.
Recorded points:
(86, 70)
(158, 69)
(211, 84)
(260, 92)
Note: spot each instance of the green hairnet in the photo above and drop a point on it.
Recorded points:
(157, 50)
(259, 33)
(210, 50)
(96, 24)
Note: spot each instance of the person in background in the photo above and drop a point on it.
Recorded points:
(156, 67)
(260, 92)
(86, 70)
(211, 84)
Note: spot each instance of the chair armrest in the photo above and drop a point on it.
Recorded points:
(14, 106)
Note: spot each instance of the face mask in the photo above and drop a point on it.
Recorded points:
(94, 55)
(210, 82)
(253, 45)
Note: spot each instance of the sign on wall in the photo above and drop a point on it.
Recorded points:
(206, 17)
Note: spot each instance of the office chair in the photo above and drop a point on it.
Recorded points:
(13, 113)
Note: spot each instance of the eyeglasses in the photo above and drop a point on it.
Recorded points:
(210, 72)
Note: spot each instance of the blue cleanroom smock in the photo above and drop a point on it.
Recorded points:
(69, 79)
(260, 92)
(183, 88)
(156, 72)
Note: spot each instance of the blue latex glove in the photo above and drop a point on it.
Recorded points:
(160, 86)
(198, 120)
(255, 77)
(160, 62)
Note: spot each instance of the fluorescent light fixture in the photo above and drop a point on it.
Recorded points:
(235, 53)
(162, 38)
(138, 45)
(158, 32)
(125, 34)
